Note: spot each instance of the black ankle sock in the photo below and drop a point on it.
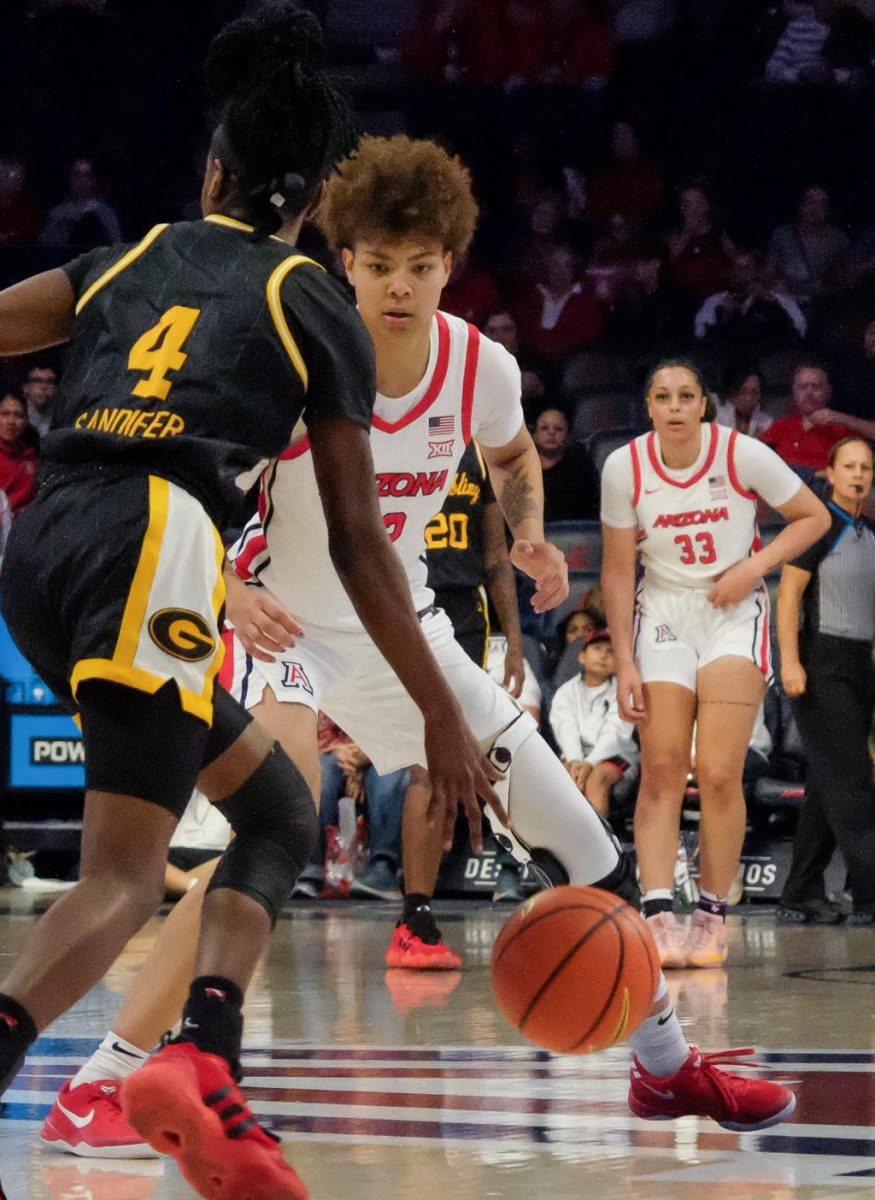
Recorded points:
(212, 1018)
(652, 907)
(17, 1034)
(713, 905)
(419, 918)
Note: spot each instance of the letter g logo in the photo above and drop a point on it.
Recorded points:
(182, 634)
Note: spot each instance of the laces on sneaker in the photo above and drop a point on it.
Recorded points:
(727, 1085)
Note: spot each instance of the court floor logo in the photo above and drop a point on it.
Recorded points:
(182, 634)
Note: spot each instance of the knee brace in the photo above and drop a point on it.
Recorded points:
(550, 825)
(274, 820)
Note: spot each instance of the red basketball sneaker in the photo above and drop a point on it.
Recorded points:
(408, 950)
(701, 1089)
(87, 1120)
(186, 1104)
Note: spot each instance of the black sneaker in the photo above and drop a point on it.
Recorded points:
(810, 912)
(378, 881)
(508, 886)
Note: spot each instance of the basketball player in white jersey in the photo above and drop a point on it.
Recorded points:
(399, 210)
(692, 640)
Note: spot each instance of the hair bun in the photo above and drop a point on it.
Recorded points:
(252, 49)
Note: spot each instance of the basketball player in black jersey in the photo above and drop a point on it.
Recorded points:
(192, 357)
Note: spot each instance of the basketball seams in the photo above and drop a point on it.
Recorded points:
(651, 957)
(611, 996)
(530, 924)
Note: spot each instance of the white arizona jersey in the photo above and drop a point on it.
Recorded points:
(696, 523)
(471, 388)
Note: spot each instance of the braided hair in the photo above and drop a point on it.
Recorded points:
(280, 124)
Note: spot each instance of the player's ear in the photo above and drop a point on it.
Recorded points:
(215, 182)
(347, 258)
(448, 265)
(313, 207)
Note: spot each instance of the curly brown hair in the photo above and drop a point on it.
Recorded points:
(397, 187)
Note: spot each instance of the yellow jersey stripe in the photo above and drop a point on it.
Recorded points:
(116, 269)
(229, 222)
(217, 601)
(144, 576)
(275, 304)
(140, 681)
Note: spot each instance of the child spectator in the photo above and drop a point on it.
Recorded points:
(597, 747)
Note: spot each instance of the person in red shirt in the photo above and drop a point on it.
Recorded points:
(801, 439)
(18, 452)
(560, 314)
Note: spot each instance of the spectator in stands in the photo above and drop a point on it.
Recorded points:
(583, 41)
(827, 668)
(699, 250)
(19, 446)
(810, 254)
(570, 480)
(83, 219)
(562, 656)
(346, 771)
(596, 746)
(39, 389)
(546, 222)
(800, 439)
(629, 183)
(502, 327)
(752, 311)
(20, 219)
(855, 376)
(471, 294)
(560, 314)
(798, 57)
(741, 405)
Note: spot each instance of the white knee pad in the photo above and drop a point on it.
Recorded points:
(546, 812)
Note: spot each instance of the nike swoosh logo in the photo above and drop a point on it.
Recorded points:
(79, 1122)
(667, 1017)
(129, 1053)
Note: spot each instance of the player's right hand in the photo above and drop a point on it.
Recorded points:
(630, 694)
(263, 627)
(793, 679)
(460, 773)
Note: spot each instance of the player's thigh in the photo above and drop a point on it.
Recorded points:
(666, 733)
(731, 690)
(294, 727)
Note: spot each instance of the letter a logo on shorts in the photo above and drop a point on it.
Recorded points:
(664, 634)
(296, 677)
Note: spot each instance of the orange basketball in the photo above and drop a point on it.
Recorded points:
(575, 970)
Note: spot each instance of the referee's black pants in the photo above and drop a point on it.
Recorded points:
(835, 717)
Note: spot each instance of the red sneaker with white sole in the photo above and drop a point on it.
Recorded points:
(87, 1121)
(408, 950)
(187, 1105)
(701, 1089)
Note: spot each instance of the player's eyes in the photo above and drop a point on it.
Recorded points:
(422, 268)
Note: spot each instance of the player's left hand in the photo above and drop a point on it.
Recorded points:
(514, 669)
(547, 566)
(734, 585)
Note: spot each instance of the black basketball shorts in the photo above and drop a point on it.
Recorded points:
(468, 610)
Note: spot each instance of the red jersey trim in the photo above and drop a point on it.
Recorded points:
(469, 379)
(705, 468)
(301, 446)
(636, 473)
(730, 468)
(434, 388)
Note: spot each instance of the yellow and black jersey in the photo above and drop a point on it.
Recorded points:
(454, 538)
(195, 353)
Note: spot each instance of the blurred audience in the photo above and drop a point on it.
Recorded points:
(571, 482)
(629, 183)
(83, 219)
(751, 312)
(740, 404)
(20, 218)
(855, 376)
(560, 313)
(40, 387)
(471, 293)
(808, 255)
(502, 328)
(19, 452)
(699, 249)
(802, 441)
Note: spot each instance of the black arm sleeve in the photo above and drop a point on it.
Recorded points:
(335, 345)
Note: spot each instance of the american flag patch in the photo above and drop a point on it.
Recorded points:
(717, 484)
(717, 480)
(441, 426)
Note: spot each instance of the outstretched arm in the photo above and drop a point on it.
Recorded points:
(36, 313)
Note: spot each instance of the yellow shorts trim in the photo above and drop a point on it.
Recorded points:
(141, 681)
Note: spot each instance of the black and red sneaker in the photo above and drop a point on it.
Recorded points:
(187, 1105)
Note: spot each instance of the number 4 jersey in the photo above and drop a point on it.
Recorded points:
(471, 389)
(696, 523)
(195, 352)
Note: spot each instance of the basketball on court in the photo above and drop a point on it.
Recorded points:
(575, 970)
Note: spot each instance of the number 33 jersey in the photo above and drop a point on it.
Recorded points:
(195, 352)
(696, 523)
(471, 389)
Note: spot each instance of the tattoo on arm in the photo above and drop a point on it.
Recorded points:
(517, 500)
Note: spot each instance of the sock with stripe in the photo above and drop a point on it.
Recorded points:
(715, 905)
(657, 900)
(658, 1043)
(114, 1058)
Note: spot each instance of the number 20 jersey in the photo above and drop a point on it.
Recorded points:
(471, 389)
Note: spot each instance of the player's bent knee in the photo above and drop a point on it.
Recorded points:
(276, 827)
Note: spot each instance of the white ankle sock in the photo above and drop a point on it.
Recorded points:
(659, 1043)
(113, 1059)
